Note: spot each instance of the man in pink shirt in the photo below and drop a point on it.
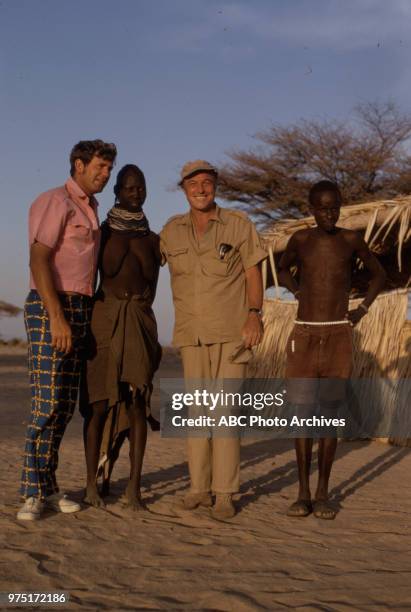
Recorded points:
(64, 238)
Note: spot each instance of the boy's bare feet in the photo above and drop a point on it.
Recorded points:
(300, 508)
(323, 509)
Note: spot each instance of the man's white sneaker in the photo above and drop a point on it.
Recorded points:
(31, 510)
(61, 503)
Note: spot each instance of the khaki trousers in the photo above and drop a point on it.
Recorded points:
(214, 463)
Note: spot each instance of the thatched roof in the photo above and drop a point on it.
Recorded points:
(386, 225)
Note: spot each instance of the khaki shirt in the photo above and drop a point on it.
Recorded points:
(208, 285)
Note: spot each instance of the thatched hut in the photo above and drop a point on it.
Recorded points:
(383, 338)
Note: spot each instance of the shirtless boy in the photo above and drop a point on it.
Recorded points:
(124, 334)
(320, 345)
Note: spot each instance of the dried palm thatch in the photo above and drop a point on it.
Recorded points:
(382, 340)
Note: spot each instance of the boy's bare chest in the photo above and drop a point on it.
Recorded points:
(326, 253)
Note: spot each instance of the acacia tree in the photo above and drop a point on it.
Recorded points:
(366, 158)
(8, 310)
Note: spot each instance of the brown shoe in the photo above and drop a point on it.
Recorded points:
(223, 507)
(193, 500)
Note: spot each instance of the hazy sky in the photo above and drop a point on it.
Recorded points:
(172, 80)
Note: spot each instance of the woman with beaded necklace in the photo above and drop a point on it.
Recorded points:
(124, 348)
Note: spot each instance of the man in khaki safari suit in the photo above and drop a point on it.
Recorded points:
(213, 255)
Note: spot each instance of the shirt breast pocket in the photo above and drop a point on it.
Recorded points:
(79, 236)
(214, 266)
(222, 266)
(178, 260)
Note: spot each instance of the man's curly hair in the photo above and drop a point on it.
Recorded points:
(87, 149)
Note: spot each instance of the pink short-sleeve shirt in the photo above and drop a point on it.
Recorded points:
(65, 219)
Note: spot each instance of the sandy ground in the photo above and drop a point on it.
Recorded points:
(172, 559)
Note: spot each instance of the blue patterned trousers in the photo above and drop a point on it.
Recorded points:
(54, 383)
